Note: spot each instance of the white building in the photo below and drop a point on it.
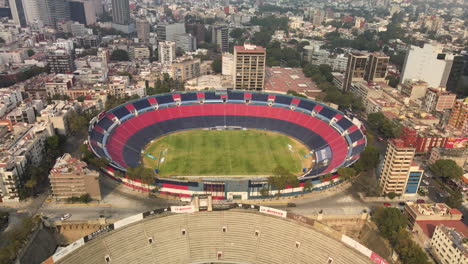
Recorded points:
(428, 64)
(118, 85)
(139, 90)
(23, 113)
(227, 64)
(448, 246)
(167, 52)
(57, 114)
(9, 99)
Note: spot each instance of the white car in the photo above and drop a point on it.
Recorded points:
(65, 217)
(426, 182)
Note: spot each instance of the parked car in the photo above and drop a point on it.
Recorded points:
(65, 217)
(401, 203)
(426, 182)
(420, 201)
(291, 205)
(387, 204)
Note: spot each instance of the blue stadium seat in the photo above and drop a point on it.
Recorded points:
(120, 112)
(357, 149)
(235, 96)
(105, 123)
(283, 100)
(96, 136)
(327, 112)
(306, 105)
(344, 123)
(212, 96)
(164, 99)
(141, 104)
(188, 97)
(355, 136)
(257, 97)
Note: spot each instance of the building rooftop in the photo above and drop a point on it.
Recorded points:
(249, 47)
(284, 79)
(69, 164)
(439, 209)
(428, 226)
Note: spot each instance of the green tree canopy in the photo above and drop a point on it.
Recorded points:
(447, 169)
(77, 123)
(282, 178)
(146, 175)
(455, 199)
(369, 159)
(120, 55)
(389, 221)
(217, 65)
(346, 173)
(378, 122)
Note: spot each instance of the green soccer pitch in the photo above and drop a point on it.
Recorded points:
(235, 153)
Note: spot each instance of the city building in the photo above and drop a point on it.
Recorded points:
(140, 53)
(396, 168)
(437, 100)
(459, 116)
(70, 177)
(167, 52)
(57, 114)
(53, 11)
(186, 42)
(9, 99)
(416, 212)
(186, 68)
(220, 37)
(24, 144)
(61, 61)
(414, 89)
(429, 64)
(227, 61)
(458, 78)
(83, 12)
(449, 246)
(17, 11)
(168, 32)
(354, 70)
(59, 84)
(22, 114)
(118, 85)
(143, 30)
(121, 16)
(376, 68)
(249, 67)
(459, 155)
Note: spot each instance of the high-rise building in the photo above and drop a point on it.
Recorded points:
(120, 12)
(429, 64)
(61, 61)
(220, 37)
(354, 70)
(167, 52)
(71, 177)
(186, 42)
(458, 77)
(399, 174)
(83, 12)
(169, 31)
(459, 116)
(249, 67)
(376, 68)
(17, 11)
(318, 15)
(143, 30)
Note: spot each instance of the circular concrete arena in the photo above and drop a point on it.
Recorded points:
(241, 236)
(121, 134)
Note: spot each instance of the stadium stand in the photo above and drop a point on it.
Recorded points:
(309, 122)
(237, 235)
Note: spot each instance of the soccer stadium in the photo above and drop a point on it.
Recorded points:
(239, 234)
(187, 139)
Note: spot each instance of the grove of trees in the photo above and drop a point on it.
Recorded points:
(447, 169)
(387, 128)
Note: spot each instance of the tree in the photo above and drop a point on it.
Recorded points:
(77, 123)
(455, 199)
(81, 98)
(389, 221)
(261, 38)
(179, 51)
(31, 52)
(369, 159)
(264, 192)
(308, 186)
(119, 55)
(447, 169)
(237, 33)
(378, 122)
(282, 178)
(217, 65)
(346, 173)
(145, 175)
(391, 195)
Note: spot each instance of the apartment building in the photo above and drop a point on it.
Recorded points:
(249, 67)
(355, 70)
(376, 68)
(438, 100)
(459, 116)
(449, 246)
(185, 68)
(70, 177)
(397, 166)
(167, 52)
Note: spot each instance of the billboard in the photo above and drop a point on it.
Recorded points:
(69, 249)
(378, 259)
(183, 209)
(456, 142)
(273, 211)
(99, 232)
(128, 220)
